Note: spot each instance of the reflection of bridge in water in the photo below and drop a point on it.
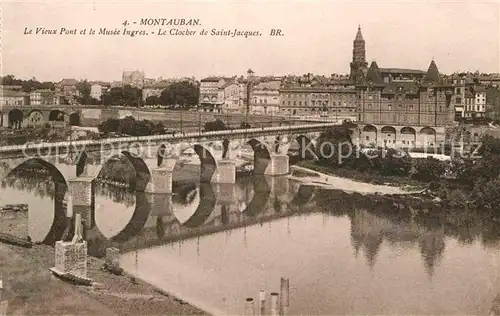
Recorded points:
(155, 220)
(196, 210)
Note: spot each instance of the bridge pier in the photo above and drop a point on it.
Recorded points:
(81, 194)
(161, 205)
(5, 119)
(160, 181)
(225, 193)
(278, 165)
(225, 172)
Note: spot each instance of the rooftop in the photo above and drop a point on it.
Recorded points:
(296, 88)
(401, 71)
(271, 85)
(6, 93)
(211, 79)
(68, 82)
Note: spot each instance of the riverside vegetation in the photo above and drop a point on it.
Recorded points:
(459, 183)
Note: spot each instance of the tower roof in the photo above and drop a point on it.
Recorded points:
(359, 36)
(373, 74)
(432, 75)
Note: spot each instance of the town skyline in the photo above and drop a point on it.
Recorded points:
(314, 42)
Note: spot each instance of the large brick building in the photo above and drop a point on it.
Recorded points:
(332, 101)
(403, 107)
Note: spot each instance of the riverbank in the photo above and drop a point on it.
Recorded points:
(361, 177)
(321, 177)
(30, 289)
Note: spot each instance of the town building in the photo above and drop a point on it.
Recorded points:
(134, 78)
(13, 97)
(68, 88)
(307, 100)
(479, 102)
(211, 95)
(96, 91)
(44, 97)
(402, 107)
(404, 113)
(489, 80)
(265, 98)
(11, 87)
(230, 94)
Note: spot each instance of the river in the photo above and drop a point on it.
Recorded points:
(214, 246)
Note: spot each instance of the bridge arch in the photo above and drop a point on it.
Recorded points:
(15, 117)
(206, 206)
(261, 195)
(408, 136)
(56, 116)
(74, 119)
(388, 136)
(142, 172)
(208, 164)
(191, 154)
(428, 136)
(35, 118)
(261, 155)
(35, 165)
(302, 147)
(138, 220)
(369, 135)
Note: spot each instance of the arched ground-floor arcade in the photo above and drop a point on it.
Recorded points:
(401, 136)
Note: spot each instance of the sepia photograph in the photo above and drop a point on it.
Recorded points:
(259, 157)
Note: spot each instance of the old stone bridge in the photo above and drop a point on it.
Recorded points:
(77, 164)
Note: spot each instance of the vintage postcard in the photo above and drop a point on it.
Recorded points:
(249, 157)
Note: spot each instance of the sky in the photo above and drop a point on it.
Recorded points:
(318, 37)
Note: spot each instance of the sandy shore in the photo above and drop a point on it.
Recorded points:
(325, 181)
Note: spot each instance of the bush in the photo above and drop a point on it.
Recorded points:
(217, 125)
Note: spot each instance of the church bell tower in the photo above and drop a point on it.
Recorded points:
(359, 66)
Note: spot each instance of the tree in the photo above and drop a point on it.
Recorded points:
(109, 126)
(131, 96)
(183, 93)
(83, 86)
(130, 126)
(429, 169)
(152, 100)
(127, 125)
(47, 85)
(392, 165)
(113, 97)
(244, 125)
(335, 145)
(217, 125)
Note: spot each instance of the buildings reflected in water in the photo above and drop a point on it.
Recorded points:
(369, 231)
(194, 210)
